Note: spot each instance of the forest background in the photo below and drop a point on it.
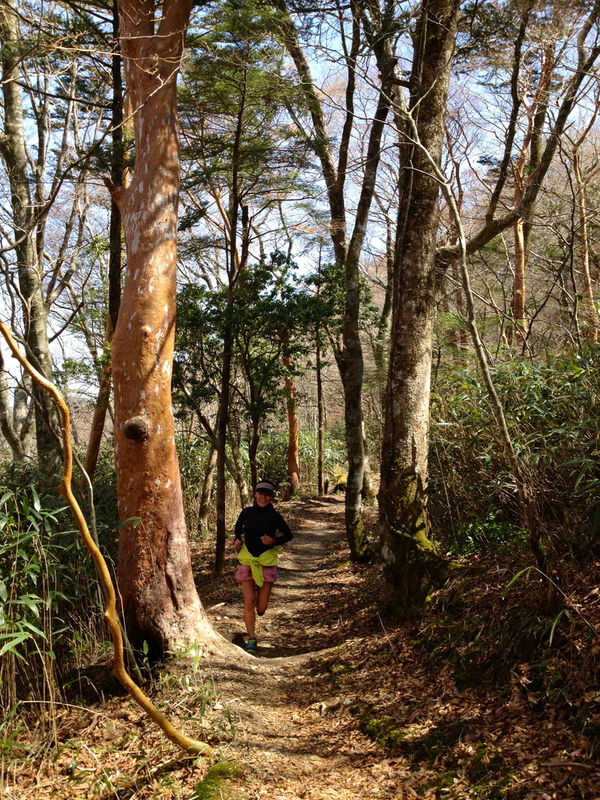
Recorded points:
(386, 279)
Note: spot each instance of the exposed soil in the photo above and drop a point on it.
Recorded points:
(339, 702)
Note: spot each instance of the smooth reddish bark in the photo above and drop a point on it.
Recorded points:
(159, 600)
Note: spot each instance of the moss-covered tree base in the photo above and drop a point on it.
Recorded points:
(356, 532)
(412, 568)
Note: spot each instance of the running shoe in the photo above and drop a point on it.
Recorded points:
(250, 646)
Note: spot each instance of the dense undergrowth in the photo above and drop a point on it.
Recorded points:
(552, 416)
(51, 608)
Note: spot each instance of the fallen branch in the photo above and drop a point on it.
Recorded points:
(110, 614)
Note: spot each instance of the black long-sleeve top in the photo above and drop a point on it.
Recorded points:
(254, 522)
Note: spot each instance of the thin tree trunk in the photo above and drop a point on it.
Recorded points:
(590, 313)
(221, 433)
(240, 479)
(520, 269)
(235, 264)
(114, 262)
(293, 467)
(99, 418)
(26, 231)
(207, 485)
(381, 343)
(347, 254)
(367, 492)
(252, 451)
(531, 157)
(462, 341)
(6, 421)
(118, 173)
(353, 356)
(320, 415)
(24, 414)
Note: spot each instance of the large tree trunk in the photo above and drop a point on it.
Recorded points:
(410, 561)
(159, 600)
(26, 229)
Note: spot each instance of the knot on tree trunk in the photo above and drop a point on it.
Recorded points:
(136, 428)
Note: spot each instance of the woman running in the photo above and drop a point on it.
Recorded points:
(259, 531)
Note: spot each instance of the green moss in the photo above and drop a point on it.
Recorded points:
(384, 731)
(488, 775)
(441, 783)
(216, 784)
(389, 735)
(486, 770)
(339, 669)
(485, 761)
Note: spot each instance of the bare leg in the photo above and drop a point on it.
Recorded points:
(249, 592)
(262, 598)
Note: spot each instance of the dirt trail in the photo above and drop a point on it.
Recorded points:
(273, 716)
(289, 627)
(279, 740)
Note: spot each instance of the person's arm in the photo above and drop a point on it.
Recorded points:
(238, 536)
(283, 534)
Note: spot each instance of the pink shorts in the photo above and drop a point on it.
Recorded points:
(244, 573)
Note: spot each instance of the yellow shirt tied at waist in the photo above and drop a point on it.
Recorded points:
(256, 563)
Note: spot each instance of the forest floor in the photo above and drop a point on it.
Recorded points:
(484, 698)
